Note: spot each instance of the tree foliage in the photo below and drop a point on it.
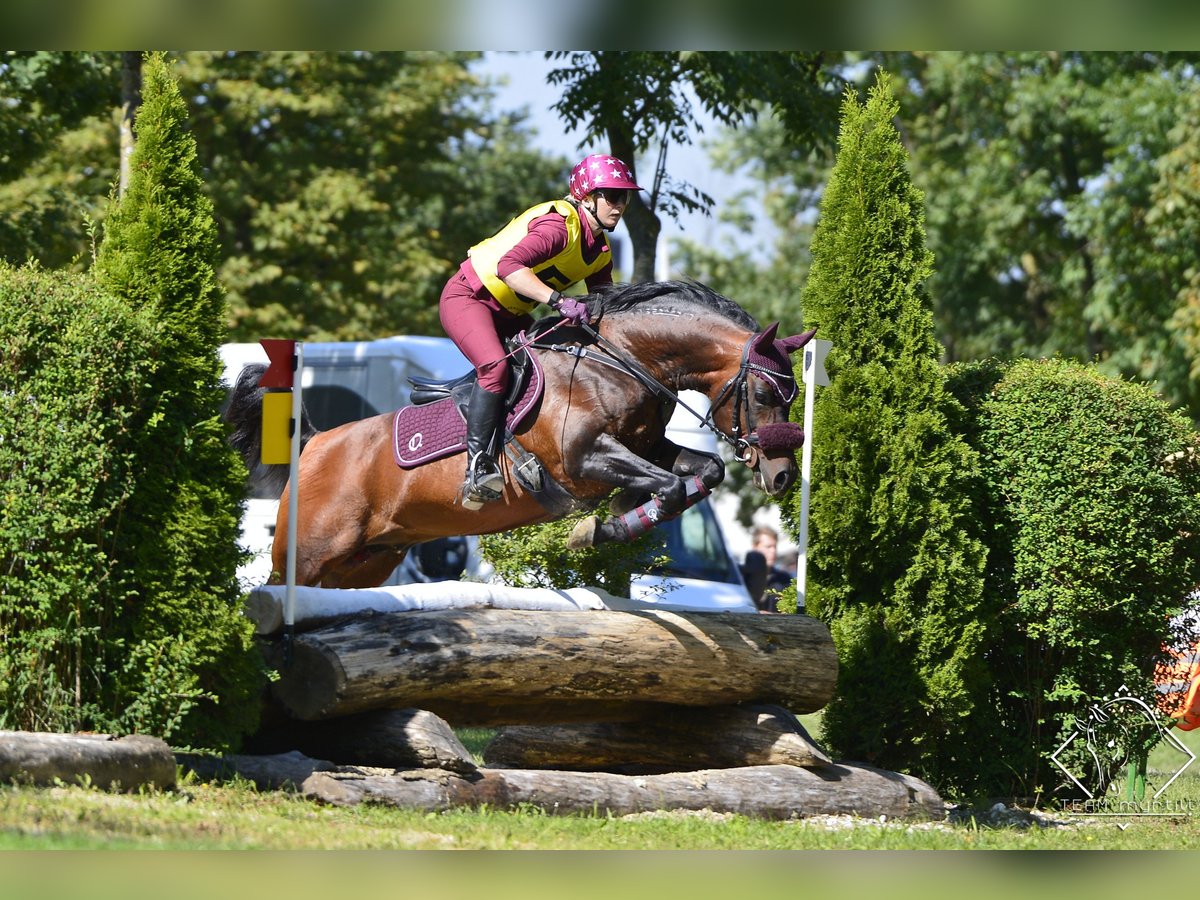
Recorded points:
(1041, 171)
(893, 566)
(346, 186)
(640, 102)
(1058, 191)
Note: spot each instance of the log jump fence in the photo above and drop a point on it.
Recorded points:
(601, 705)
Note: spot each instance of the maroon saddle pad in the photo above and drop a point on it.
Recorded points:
(421, 434)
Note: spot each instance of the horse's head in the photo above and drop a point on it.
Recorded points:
(762, 393)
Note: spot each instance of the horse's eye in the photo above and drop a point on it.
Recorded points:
(763, 397)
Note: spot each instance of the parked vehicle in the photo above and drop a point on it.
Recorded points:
(343, 382)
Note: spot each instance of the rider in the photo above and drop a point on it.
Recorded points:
(540, 253)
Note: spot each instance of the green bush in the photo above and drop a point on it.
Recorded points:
(89, 640)
(74, 369)
(1091, 505)
(536, 556)
(180, 542)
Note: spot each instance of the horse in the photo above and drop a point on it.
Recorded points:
(598, 427)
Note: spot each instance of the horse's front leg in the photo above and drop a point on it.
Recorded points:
(680, 460)
(612, 462)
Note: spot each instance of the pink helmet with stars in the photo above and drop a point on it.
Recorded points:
(600, 171)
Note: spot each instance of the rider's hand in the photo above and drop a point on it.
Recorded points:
(574, 311)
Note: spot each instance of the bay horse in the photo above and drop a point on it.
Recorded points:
(600, 425)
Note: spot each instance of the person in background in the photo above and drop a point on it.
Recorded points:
(765, 586)
(531, 260)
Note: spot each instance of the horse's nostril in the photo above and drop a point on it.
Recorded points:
(783, 480)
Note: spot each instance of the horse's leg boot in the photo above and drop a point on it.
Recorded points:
(484, 483)
(591, 532)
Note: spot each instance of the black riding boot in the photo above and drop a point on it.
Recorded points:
(484, 483)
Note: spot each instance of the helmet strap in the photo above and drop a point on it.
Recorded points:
(594, 212)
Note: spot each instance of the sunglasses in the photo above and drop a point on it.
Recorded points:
(614, 197)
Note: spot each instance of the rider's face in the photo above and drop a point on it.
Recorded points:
(610, 206)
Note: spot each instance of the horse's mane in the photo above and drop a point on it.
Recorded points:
(613, 298)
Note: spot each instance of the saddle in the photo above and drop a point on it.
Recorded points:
(435, 424)
(431, 390)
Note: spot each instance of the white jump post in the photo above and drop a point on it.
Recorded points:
(289, 619)
(814, 376)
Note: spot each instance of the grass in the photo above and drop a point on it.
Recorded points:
(199, 816)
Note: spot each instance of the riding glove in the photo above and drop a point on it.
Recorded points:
(574, 311)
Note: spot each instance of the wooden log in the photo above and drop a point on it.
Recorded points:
(767, 792)
(269, 772)
(679, 739)
(388, 738)
(108, 762)
(494, 667)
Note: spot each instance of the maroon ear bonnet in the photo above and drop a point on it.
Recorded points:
(768, 358)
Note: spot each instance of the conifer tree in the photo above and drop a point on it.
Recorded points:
(893, 566)
(182, 623)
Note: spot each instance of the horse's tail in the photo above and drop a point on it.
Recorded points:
(244, 416)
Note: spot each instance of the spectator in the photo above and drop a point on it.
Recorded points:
(764, 579)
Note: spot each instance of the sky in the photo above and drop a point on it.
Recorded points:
(524, 74)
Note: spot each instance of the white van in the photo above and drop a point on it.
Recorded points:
(343, 382)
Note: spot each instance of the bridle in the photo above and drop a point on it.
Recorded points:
(744, 442)
(738, 387)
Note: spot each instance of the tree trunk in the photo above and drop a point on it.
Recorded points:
(679, 739)
(107, 762)
(640, 219)
(131, 101)
(495, 667)
(767, 792)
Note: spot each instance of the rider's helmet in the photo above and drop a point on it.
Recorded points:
(600, 171)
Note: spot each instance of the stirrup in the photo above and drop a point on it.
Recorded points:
(481, 487)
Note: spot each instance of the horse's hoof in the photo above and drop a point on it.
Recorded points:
(625, 500)
(583, 535)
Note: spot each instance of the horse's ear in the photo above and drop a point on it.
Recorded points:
(765, 338)
(796, 341)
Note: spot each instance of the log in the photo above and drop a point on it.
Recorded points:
(497, 667)
(387, 738)
(270, 772)
(108, 762)
(679, 739)
(767, 792)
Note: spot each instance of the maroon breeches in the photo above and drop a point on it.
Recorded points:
(478, 331)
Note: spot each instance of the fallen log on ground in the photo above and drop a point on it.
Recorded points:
(678, 739)
(389, 738)
(102, 760)
(766, 792)
(494, 667)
